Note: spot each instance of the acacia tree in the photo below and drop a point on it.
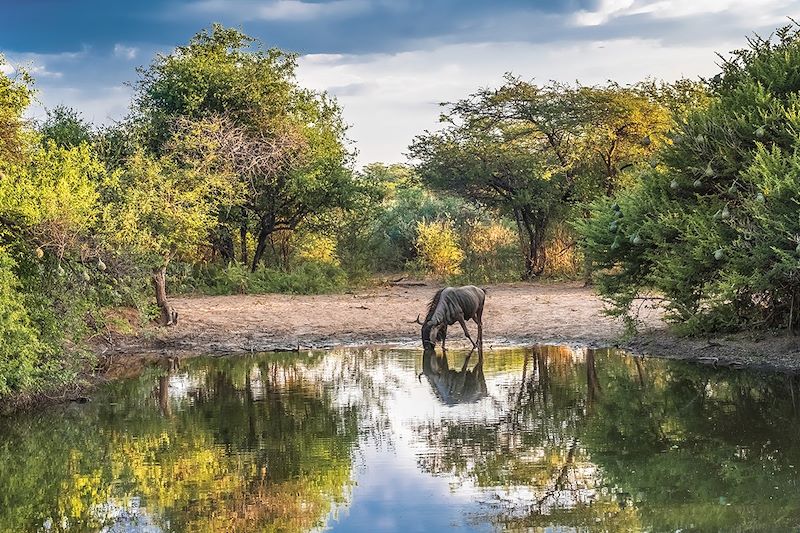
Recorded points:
(286, 145)
(499, 169)
(534, 152)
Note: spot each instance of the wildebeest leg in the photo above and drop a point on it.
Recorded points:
(479, 320)
(444, 335)
(466, 331)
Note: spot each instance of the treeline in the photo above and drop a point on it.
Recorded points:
(220, 139)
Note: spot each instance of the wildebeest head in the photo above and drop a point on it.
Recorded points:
(430, 334)
(431, 327)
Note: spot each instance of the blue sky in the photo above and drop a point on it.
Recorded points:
(388, 62)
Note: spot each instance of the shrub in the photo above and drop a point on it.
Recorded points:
(306, 277)
(20, 349)
(437, 245)
(714, 229)
(491, 253)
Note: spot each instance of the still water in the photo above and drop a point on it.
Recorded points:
(542, 439)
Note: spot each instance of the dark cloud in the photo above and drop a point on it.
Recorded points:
(49, 26)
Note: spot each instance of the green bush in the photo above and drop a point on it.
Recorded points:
(714, 229)
(20, 349)
(492, 253)
(307, 277)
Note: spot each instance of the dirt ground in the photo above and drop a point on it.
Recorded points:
(515, 314)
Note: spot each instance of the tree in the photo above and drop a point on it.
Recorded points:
(285, 144)
(715, 230)
(217, 73)
(15, 95)
(65, 127)
(289, 176)
(162, 208)
(534, 152)
(500, 170)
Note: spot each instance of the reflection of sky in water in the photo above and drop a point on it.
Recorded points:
(650, 445)
(399, 408)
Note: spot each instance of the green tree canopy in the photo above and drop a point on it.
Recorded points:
(532, 152)
(286, 144)
(715, 230)
(65, 127)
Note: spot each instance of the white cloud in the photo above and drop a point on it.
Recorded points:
(279, 10)
(390, 98)
(99, 105)
(41, 65)
(125, 52)
(755, 12)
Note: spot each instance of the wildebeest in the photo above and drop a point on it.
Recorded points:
(451, 305)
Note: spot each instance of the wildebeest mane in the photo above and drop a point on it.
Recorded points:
(432, 304)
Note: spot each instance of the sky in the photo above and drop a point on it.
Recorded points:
(389, 62)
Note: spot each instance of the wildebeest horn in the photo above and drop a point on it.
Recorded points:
(417, 321)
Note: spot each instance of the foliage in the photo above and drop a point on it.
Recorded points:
(52, 283)
(227, 460)
(305, 277)
(51, 198)
(216, 73)
(715, 229)
(161, 209)
(65, 127)
(491, 252)
(286, 145)
(21, 348)
(438, 248)
(15, 95)
(531, 152)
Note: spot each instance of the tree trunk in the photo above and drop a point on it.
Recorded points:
(169, 316)
(531, 233)
(243, 239)
(588, 270)
(226, 250)
(265, 230)
(592, 381)
(163, 396)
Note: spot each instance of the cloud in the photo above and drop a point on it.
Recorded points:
(125, 52)
(98, 105)
(389, 62)
(47, 67)
(390, 98)
(754, 13)
(280, 10)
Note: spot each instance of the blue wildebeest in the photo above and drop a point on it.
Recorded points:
(451, 305)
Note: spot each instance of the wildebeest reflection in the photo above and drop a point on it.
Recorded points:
(450, 385)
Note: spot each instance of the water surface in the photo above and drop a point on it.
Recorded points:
(549, 438)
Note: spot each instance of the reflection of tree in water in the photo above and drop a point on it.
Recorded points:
(586, 438)
(254, 445)
(532, 444)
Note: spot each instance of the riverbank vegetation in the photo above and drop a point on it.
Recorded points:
(227, 176)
